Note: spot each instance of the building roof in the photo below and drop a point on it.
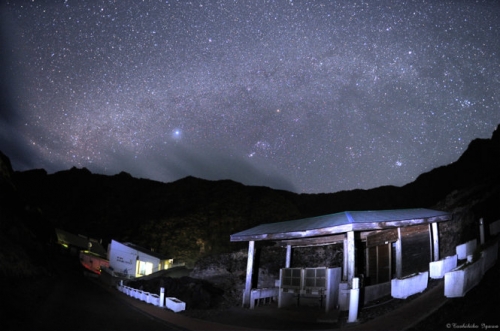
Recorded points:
(341, 223)
(145, 251)
(81, 242)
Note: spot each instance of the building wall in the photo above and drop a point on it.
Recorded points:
(155, 263)
(416, 249)
(125, 260)
(93, 262)
(381, 259)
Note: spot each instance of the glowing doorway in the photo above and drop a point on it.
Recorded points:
(145, 268)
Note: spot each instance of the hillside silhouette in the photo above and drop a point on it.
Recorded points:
(192, 218)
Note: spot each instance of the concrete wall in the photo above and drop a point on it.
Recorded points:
(466, 249)
(93, 262)
(438, 269)
(489, 256)
(401, 288)
(123, 259)
(495, 228)
(458, 282)
(344, 296)
(374, 292)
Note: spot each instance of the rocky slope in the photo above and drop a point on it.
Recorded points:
(24, 232)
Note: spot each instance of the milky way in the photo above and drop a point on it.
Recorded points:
(307, 96)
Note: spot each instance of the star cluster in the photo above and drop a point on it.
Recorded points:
(307, 96)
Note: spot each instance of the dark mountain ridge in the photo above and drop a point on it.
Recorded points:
(192, 217)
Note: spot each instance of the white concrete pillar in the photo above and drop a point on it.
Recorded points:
(435, 241)
(162, 297)
(481, 231)
(288, 256)
(354, 301)
(350, 256)
(248, 282)
(399, 256)
(344, 268)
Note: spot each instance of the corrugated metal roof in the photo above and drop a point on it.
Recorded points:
(336, 223)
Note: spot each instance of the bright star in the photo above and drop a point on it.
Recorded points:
(176, 134)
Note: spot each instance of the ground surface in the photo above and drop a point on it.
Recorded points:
(479, 309)
(71, 301)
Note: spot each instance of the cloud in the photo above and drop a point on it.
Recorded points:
(180, 161)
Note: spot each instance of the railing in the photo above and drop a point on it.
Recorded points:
(257, 294)
(147, 297)
(151, 298)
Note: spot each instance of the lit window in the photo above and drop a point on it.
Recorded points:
(145, 268)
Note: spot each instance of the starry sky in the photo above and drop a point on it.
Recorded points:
(306, 96)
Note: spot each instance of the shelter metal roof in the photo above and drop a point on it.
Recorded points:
(340, 223)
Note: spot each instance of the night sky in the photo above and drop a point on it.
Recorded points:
(307, 96)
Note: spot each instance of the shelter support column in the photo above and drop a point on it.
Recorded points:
(248, 282)
(435, 241)
(350, 256)
(344, 261)
(399, 256)
(481, 231)
(288, 256)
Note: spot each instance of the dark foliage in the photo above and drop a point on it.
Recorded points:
(196, 293)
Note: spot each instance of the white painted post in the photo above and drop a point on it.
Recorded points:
(162, 296)
(435, 241)
(248, 282)
(288, 256)
(350, 256)
(399, 256)
(354, 301)
(481, 231)
(344, 269)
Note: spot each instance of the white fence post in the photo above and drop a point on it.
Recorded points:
(162, 296)
(481, 231)
(354, 301)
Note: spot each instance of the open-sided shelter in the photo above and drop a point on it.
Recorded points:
(394, 243)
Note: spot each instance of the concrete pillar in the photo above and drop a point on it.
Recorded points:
(288, 256)
(399, 256)
(435, 241)
(350, 256)
(354, 301)
(481, 231)
(162, 296)
(248, 282)
(344, 268)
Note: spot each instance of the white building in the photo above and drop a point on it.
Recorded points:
(135, 261)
